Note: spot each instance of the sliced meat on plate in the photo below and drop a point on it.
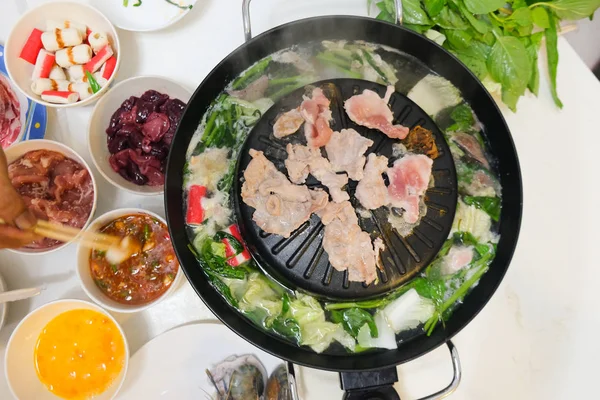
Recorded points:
(303, 160)
(346, 151)
(315, 111)
(288, 123)
(371, 190)
(409, 179)
(470, 144)
(348, 246)
(281, 207)
(370, 110)
(10, 114)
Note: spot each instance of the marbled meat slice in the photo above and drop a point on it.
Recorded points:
(409, 179)
(371, 190)
(315, 111)
(288, 123)
(370, 110)
(346, 151)
(303, 160)
(347, 245)
(10, 114)
(281, 207)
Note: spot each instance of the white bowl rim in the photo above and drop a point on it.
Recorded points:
(79, 160)
(125, 308)
(160, 189)
(93, 97)
(79, 301)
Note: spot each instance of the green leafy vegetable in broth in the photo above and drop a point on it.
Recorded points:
(491, 205)
(353, 319)
(498, 40)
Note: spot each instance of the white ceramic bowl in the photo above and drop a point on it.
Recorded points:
(19, 149)
(19, 360)
(100, 120)
(85, 276)
(20, 71)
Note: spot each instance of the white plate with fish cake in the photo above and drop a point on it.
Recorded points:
(174, 364)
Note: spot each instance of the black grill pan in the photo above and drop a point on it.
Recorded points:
(300, 261)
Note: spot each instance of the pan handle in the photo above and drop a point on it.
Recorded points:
(380, 384)
(248, 23)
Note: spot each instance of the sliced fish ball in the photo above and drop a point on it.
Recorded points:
(61, 38)
(80, 54)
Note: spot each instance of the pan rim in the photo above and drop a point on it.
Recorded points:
(299, 355)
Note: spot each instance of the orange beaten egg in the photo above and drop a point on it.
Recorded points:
(79, 354)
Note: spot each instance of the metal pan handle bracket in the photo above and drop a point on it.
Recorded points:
(451, 388)
(248, 23)
(379, 384)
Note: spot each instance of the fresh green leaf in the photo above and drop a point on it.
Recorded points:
(479, 25)
(533, 49)
(413, 13)
(139, 3)
(571, 9)
(458, 39)
(484, 6)
(509, 64)
(421, 29)
(385, 16)
(353, 319)
(125, 3)
(238, 247)
(521, 16)
(491, 205)
(539, 16)
(449, 19)
(434, 7)
(217, 265)
(552, 55)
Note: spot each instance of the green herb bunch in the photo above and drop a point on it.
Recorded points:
(498, 40)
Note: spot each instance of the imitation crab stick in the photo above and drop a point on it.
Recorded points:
(109, 67)
(43, 65)
(100, 58)
(60, 97)
(32, 46)
(244, 256)
(195, 210)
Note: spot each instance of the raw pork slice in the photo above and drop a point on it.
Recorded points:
(409, 179)
(288, 123)
(281, 207)
(348, 246)
(370, 110)
(10, 114)
(346, 151)
(303, 160)
(470, 144)
(315, 111)
(371, 190)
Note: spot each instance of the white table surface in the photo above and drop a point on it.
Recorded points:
(537, 337)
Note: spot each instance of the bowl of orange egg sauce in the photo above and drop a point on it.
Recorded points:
(67, 349)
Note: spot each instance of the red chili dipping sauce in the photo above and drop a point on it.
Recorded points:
(146, 275)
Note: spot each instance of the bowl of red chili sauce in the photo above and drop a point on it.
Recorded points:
(142, 280)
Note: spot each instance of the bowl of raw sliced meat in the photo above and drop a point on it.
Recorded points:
(131, 130)
(62, 54)
(55, 183)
